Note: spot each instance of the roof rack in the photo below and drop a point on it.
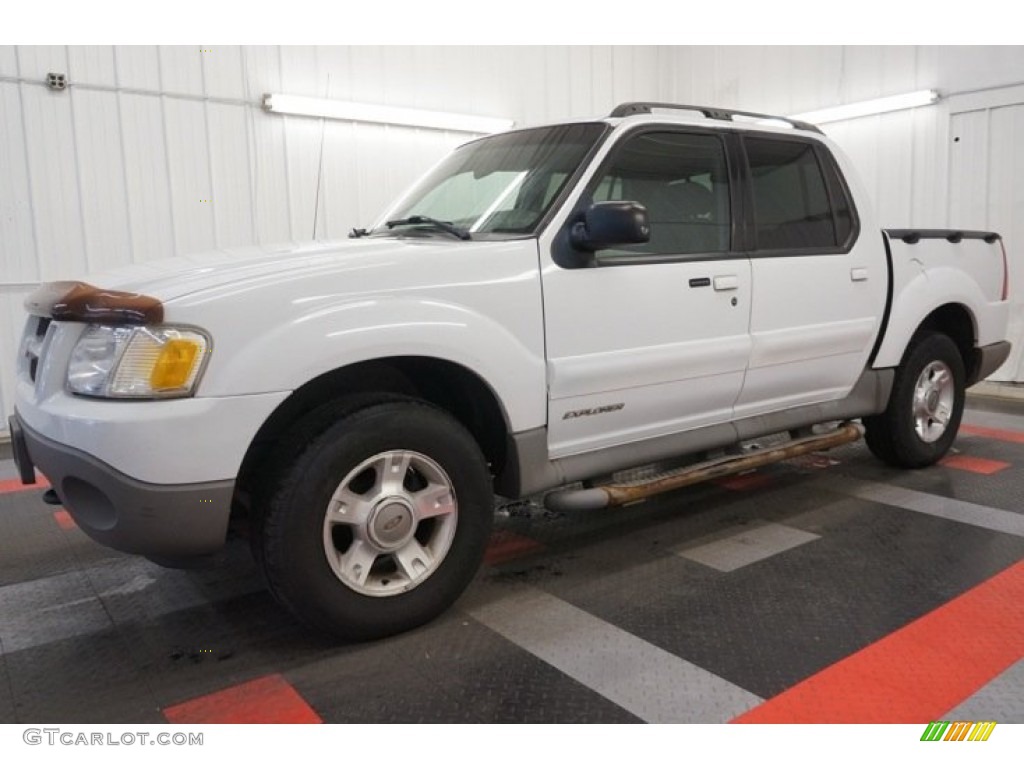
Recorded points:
(712, 113)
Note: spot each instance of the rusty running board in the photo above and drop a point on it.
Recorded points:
(618, 494)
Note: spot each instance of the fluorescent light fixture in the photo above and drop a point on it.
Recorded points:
(376, 113)
(871, 107)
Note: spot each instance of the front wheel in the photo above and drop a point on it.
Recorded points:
(380, 523)
(927, 401)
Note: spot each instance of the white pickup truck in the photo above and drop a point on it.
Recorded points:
(547, 306)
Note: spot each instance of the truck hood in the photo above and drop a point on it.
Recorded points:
(175, 278)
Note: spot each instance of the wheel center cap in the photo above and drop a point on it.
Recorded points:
(933, 400)
(391, 523)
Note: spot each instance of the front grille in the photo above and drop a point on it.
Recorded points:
(34, 344)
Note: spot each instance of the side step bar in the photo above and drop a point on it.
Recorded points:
(616, 495)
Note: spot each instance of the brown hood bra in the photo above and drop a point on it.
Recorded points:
(81, 302)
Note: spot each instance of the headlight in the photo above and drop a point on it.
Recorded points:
(137, 361)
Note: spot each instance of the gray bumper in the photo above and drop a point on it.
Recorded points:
(987, 360)
(121, 512)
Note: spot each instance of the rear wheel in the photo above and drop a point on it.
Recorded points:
(380, 523)
(925, 407)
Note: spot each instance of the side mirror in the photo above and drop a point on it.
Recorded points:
(609, 224)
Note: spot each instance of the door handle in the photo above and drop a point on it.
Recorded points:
(726, 282)
(859, 274)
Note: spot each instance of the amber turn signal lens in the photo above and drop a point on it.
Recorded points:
(174, 365)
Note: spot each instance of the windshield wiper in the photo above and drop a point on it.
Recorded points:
(444, 226)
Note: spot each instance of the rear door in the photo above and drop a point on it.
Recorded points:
(819, 284)
(650, 340)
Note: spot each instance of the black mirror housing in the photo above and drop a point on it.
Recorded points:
(611, 223)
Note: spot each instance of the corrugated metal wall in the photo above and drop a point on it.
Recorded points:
(903, 157)
(155, 151)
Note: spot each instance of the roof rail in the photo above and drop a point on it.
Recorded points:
(712, 113)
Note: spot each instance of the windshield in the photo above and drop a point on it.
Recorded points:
(500, 184)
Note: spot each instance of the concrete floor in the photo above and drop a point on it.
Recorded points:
(825, 589)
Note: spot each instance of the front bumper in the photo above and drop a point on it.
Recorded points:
(118, 511)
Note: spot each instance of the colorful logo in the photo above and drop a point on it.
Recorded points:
(958, 731)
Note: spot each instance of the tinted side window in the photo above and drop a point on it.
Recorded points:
(791, 204)
(841, 205)
(683, 182)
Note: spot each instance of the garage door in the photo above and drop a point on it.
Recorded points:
(986, 191)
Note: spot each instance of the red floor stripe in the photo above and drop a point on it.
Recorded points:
(748, 482)
(505, 546)
(267, 699)
(1005, 435)
(919, 672)
(14, 485)
(64, 520)
(974, 464)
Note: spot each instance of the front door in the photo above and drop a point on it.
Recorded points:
(652, 339)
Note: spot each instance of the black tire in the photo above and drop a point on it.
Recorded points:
(295, 538)
(292, 444)
(895, 436)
